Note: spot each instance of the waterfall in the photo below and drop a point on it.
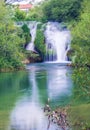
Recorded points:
(33, 27)
(57, 42)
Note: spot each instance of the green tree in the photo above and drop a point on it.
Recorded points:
(19, 15)
(81, 56)
(36, 14)
(62, 10)
(81, 36)
(10, 42)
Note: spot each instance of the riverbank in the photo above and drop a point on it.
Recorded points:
(79, 117)
(4, 118)
(75, 117)
(31, 58)
(11, 69)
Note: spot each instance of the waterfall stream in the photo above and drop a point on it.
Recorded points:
(57, 42)
(33, 27)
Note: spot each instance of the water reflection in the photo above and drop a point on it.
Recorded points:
(59, 84)
(45, 82)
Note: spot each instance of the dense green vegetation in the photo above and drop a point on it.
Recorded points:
(81, 54)
(79, 117)
(10, 41)
(52, 10)
(62, 10)
(81, 74)
(81, 36)
(35, 14)
(39, 43)
(81, 79)
(19, 15)
(26, 33)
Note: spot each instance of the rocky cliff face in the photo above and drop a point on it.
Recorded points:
(23, 1)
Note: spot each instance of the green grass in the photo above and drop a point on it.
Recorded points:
(79, 117)
(4, 119)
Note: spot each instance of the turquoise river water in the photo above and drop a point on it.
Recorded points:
(23, 95)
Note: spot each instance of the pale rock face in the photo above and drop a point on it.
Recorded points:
(15, 2)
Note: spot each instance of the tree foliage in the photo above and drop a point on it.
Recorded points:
(81, 36)
(10, 41)
(81, 56)
(35, 14)
(19, 15)
(61, 10)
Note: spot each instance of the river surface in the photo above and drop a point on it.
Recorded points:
(24, 94)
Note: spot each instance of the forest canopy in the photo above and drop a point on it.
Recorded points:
(62, 10)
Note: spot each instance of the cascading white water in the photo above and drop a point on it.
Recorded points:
(57, 42)
(33, 27)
